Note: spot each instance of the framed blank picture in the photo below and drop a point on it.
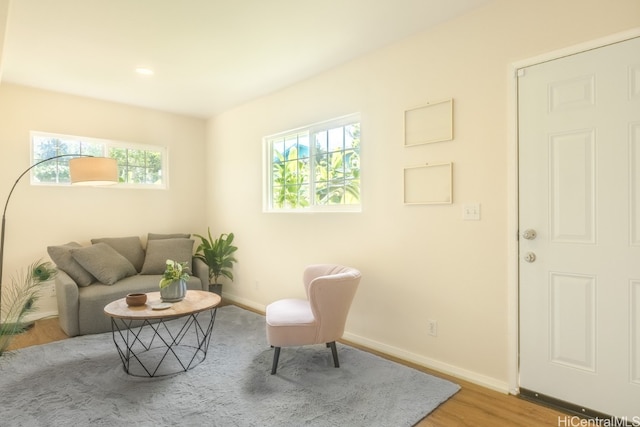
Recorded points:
(428, 184)
(432, 122)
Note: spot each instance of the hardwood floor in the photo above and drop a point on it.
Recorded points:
(42, 332)
(473, 405)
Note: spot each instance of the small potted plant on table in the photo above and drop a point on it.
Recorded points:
(219, 255)
(173, 285)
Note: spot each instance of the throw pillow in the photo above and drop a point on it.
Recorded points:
(101, 260)
(160, 250)
(158, 236)
(61, 256)
(128, 247)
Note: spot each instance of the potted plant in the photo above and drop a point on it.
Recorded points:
(219, 256)
(173, 285)
(21, 299)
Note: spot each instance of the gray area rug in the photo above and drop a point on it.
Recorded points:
(81, 382)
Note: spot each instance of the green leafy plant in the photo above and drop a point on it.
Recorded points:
(173, 272)
(218, 254)
(290, 180)
(19, 299)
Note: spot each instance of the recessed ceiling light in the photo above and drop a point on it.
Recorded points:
(144, 71)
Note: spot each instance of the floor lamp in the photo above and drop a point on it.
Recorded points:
(84, 170)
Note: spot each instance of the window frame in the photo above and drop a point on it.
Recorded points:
(106, 144)
(310, 130)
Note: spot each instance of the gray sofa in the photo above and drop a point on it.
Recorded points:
(90, 277)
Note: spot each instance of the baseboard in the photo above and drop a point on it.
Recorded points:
(37, 315)
(242, 301)
(436, 365)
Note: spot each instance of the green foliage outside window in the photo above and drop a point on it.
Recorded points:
(290, 180)
(138, 166)
(334, 158)
(337, 174)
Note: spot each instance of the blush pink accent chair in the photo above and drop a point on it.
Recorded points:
(318, 319)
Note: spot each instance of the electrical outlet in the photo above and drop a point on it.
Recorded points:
(432, 326)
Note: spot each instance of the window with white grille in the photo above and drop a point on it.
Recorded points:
(315, 168)
(141, 166)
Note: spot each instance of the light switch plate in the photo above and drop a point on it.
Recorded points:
(471, 212)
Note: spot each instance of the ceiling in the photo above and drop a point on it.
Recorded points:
(207, 55)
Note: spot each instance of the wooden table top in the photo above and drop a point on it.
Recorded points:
(194, 302)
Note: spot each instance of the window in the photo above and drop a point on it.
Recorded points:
(316, 168)
(139, 166)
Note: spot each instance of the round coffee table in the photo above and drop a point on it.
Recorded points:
(158, 339)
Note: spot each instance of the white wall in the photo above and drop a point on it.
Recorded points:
(41, 216)
(4, 16)
(418, 262)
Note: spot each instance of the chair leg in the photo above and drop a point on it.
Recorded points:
(334, 351)
(276, 356)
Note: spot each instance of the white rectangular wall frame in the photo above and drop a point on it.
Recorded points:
(432, 122)
(428, 184)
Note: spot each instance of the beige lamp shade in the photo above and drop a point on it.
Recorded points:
(93, 171)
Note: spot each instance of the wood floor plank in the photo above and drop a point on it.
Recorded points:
(42, 332)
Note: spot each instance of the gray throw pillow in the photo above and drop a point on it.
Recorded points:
(102, 261)
(128, 247)
(160, 250)
(61, 256)
(159, 236)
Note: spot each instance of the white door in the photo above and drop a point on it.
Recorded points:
(579, 190)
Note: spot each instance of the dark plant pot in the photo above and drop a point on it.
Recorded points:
(216, 288)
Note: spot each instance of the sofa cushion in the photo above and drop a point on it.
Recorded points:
(128, 247)
(159, 236)
(104, 262)
(160, 250)
(61, 256)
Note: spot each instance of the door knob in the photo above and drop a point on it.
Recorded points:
(529, 234)
(530, 257)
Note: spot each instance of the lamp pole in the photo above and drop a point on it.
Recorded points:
(4, 212)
